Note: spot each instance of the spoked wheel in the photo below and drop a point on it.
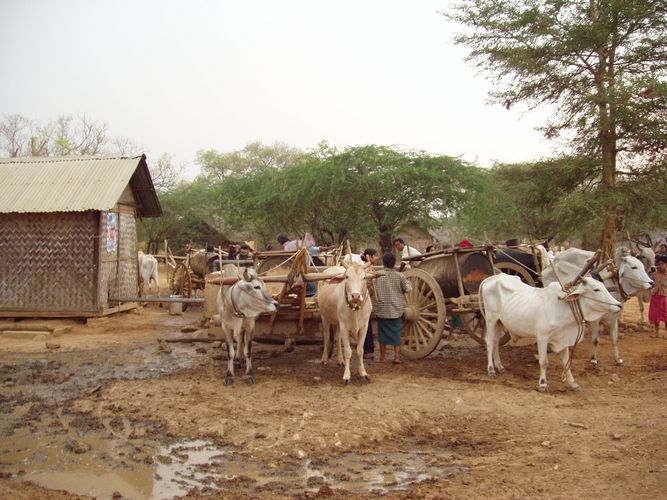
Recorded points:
(515, 270)
(424, 317)
(475, 325)
(180, 283)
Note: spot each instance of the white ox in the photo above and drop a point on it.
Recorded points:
(147, 272)
(239, 306)
(646, 256)
(544, 314)
(629, 279)
(346, 304)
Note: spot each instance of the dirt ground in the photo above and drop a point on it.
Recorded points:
(110, 412)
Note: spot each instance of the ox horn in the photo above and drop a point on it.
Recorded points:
(601, 267)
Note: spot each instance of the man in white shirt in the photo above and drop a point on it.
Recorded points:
(406, 251)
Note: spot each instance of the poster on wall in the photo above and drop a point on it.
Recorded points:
(112, 231)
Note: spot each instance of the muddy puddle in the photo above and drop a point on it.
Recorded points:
(58, 376)
(104, 463)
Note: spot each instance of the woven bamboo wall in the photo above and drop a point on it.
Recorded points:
(48, 262)
(119, 268)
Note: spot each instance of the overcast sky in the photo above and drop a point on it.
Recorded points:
(180, 76)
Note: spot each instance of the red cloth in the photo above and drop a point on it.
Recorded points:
(465, 244)
(657, 309)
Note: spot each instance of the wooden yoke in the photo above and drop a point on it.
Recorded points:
(589, 264)
(297, 267)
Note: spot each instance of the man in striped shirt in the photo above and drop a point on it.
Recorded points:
(389, 307)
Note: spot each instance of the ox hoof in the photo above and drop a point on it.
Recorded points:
(346, 381)
(542, 388)
(251, 380)
(500, 369)
(578, 390)
(491, 374)
(325, 363)
(620, 363)
(340, 364)
(594, 363)
(229, 381)
(367, 378)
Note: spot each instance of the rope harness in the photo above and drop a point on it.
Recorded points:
(531, 271)
(352, 305)
(575, 307)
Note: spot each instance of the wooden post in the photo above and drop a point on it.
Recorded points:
(302, 307)
(458, 275)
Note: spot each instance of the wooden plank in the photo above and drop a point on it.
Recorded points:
(123, 307)
(48, 314)
(166, 299)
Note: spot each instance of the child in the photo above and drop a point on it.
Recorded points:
(657, 311)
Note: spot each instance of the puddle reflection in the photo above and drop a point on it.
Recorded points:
(176, 469)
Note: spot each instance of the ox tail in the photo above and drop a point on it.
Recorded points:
(481, 300)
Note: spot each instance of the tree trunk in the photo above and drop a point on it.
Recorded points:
(604, 82)
(385, 239)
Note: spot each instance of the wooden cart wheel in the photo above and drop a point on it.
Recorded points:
(181, 283)
(515, 270)
(475, 325)
(424, 318)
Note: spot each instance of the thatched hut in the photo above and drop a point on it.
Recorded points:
(68, 236)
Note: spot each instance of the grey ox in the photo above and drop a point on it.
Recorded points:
(629, 280)
(345, 304)
(239, 306)
(541, 314)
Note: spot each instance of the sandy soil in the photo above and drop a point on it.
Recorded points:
(109, 411)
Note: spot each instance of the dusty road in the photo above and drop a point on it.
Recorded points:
(109, 412)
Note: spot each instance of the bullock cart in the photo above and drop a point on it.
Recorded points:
(445, 283)
(291, 278)
(188, 274)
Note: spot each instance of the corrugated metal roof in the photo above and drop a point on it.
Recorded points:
(74, 184)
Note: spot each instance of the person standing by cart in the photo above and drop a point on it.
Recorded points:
(389, 308)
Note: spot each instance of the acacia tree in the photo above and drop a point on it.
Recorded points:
(359, 193)
(600, 64)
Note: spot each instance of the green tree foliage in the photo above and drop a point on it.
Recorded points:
(187, 213)
(559, 198)
(359, 193)
(599, 64)
(539, 200)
